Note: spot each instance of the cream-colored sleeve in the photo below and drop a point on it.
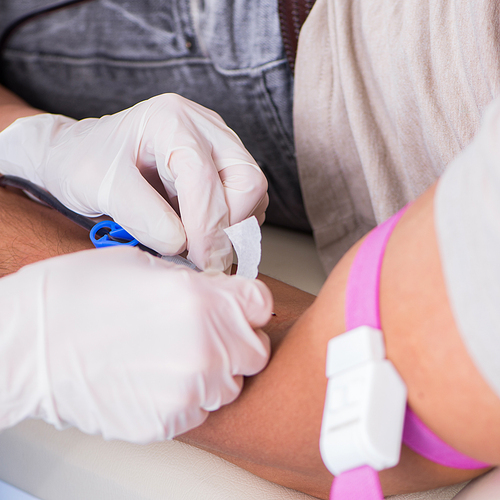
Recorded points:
(467, 218)
(386, 95)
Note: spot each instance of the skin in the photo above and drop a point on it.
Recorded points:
(273, 427)
(30, 232)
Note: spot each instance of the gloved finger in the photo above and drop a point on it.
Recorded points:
(242, 362)
(181, 422)
(224, 394)
(143, 212)
(245, 188)
(252, 357)
(189, 158)
(248, 346)
(202, 205)
(256, 300)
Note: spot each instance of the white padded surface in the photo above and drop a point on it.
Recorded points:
(486, 487)
(69, 465)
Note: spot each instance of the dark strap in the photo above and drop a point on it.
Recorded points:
(292, 13)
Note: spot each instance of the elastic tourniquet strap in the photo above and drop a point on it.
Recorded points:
(362, 308)
(357, 484)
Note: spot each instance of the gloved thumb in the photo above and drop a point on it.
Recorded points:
(256, 302)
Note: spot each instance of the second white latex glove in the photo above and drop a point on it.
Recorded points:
(119, 343)
(100, 166)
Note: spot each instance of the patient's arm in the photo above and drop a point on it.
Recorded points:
(30, 232)
(273, 428)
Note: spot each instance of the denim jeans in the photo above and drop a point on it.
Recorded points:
(101, 56)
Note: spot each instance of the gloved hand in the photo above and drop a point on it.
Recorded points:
(100, 166)
(120, 343)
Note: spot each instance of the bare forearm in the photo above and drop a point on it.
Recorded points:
(273, 428)
(13, 107)
(30, 232)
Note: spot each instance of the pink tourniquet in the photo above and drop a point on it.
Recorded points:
(362, 307)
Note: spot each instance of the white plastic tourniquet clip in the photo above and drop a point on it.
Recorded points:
(365, 404)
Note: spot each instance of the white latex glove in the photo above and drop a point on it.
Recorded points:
(123, 344)
(99, 166)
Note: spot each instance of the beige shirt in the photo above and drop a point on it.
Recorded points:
(387, 92)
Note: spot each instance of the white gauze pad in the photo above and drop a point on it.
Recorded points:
(246, 238)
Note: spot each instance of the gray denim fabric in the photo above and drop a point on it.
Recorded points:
(102, 56)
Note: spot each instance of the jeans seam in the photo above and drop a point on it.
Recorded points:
(19, 55)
